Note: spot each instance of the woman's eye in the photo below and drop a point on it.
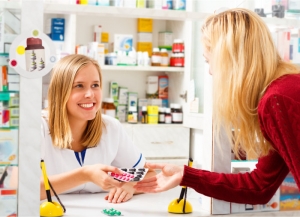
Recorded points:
(78, 86)
(96, 85)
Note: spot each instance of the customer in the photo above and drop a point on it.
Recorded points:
(255, 93)
(79, 144)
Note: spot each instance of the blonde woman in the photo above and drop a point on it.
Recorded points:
(258, 95)
(79, 144)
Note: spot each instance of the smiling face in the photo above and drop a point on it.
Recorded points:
(86, 94)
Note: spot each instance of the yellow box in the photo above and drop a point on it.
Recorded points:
(152, 111)
(144, 25)
(104, 37)
(144, 46)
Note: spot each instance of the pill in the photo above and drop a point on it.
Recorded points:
(140, 173)
(132, 169)
(141, 169)
(124, 169)
(136, 179)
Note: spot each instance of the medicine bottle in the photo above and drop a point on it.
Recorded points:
(144, 115)
(168, 117)
(132, 115)
(164, 57)
(108, 107)
(156, 57)
(177, 116)
(178, 46)
(161, 115)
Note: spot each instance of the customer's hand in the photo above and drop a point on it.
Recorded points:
(169, 177)
(119, 195)
(98, 175)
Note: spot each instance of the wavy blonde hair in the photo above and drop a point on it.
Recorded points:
(59, 91)
(244, 61)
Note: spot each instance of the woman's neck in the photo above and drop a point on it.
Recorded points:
(77, 129)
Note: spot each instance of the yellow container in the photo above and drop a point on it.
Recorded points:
(144, 46)
(144, 25)
(83, 2)
(152, 111)
(104, 37)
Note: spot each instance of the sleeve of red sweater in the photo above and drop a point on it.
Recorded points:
(279, 118)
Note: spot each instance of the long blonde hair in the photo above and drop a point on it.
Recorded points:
(244, 61)
(60, 87)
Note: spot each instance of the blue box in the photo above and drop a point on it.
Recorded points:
(57, 36)
(58, 22)
(57, 30)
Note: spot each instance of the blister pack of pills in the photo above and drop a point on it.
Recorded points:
(130, 174)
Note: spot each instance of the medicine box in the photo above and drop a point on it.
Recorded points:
(123, 42)
(9, 146)
(156, 4)
(122, 113)
(56, 22)
(97, 33)
(165, 40)
(103, 2)
(144, 46)
(8, 202)
(132, 99)
(123, 95)
(144, 37)
(101, 54)
(152, 87)
(113, 90)
(104, 37)
(144, 25)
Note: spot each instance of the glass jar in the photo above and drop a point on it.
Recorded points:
(108, 107)
(178, 46)
(161, 115)
(177, 116)
(156, 57)
(164, 57)
(168, 117)
(144, 115)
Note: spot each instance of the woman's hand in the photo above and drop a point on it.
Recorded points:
(119, 195)
(98, 175)
(169, 177)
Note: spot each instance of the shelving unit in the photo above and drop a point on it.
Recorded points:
(180, 22)
(122, 12)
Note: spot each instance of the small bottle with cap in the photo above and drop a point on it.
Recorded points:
(168, 117)
(144, 115)
(132, 115)
(161, 115)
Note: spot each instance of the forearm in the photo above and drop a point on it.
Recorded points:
(64, 182)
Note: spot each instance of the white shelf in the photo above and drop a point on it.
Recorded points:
(106, 11)
(143, 68)
(286, 22)
(10, 5)
(152, 125)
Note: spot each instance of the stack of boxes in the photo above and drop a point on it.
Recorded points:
(144, 36)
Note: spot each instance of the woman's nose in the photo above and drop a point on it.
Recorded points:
(89, 92)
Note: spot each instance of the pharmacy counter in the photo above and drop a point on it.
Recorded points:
(143, 205)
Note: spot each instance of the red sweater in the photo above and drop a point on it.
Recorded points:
(279, 116)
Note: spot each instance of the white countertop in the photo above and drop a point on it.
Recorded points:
(143, 205)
